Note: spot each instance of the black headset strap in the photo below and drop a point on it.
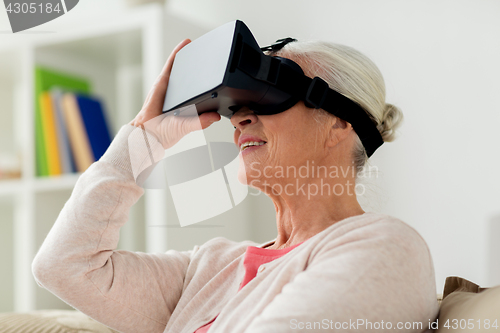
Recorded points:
(278, 45)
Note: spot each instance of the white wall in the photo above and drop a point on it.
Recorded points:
(7, 261)
(440, 63)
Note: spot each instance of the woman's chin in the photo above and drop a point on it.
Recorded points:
(247, 179)
(245, 169)
(242, 178)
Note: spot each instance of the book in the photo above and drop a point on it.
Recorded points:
(96, 125)
(50, 134)
(40, 156)
(45, 79)
(77, 133)
(65, 153)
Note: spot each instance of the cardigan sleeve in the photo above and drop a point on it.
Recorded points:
(380, 273)
(79, 263)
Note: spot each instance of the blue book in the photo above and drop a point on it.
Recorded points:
(95, 123)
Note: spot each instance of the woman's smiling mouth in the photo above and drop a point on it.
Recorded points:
(250, 144)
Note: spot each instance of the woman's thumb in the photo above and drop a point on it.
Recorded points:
(208, 118)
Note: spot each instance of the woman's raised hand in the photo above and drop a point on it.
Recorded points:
(166, 127)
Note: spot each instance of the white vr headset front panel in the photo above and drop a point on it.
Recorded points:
(200, 66)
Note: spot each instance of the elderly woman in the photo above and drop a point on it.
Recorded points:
(331, 267)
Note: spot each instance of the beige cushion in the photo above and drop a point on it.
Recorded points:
(50, 321)
(468, 308)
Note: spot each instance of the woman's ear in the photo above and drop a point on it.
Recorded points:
(339, 130)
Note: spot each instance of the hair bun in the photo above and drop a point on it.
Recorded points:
(391, 120)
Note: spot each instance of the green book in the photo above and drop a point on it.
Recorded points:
(46, 79)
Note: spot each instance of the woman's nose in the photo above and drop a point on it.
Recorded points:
(243, 117)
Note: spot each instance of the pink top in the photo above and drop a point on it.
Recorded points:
(254, 257)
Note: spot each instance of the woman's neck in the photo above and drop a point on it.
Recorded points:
(299, 217)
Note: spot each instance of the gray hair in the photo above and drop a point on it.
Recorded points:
(355, 76)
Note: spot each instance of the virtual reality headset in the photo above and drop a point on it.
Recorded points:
(225, 70)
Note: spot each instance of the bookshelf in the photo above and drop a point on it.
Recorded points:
(121, 56)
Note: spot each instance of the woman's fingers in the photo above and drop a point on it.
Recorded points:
(160, 87)
(170, 61)
(153, 104)
(188, 124)
(169, 129)
(185, 125)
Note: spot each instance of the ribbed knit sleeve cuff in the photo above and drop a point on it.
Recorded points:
(134, 150)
